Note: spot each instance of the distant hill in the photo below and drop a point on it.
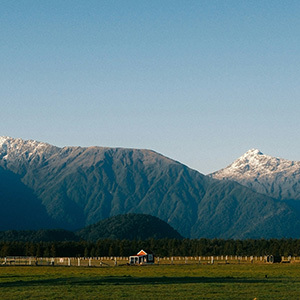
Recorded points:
(72, 187)
(129, 227)
(45, 235)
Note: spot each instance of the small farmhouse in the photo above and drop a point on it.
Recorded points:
(141, 258)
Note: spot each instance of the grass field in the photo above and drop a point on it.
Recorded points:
(231, 281)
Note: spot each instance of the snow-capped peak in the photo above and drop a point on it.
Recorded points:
(260, 172)
(18, 143)
(253, 152)
(253, 162)
(3, 139)
(22, 151)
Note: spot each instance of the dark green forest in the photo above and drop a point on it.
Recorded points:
(160, 247)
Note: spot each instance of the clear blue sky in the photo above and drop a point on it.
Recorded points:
(198, 81)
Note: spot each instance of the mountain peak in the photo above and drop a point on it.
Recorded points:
(252, 163)
(266, 174)
(17, 154)
(253, 152)
(3, 139)
(18, 142)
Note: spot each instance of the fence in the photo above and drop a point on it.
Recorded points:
(119, 261)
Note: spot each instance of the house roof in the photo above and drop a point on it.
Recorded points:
(142, 252)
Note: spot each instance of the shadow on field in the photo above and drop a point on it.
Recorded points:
(128, 280)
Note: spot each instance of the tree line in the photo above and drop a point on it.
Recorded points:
(161, 247)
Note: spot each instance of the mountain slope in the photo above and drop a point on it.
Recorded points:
(230, 210)
(275, 177)
(129, 227)
(81, 186)
(19, 206)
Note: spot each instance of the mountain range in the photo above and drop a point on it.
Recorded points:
(43, 186)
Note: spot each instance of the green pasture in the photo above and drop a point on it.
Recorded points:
(223, 281)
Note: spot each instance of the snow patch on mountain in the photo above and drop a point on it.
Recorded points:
(18, 146)
(16, 154)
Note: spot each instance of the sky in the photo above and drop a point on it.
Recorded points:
(198, 81)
